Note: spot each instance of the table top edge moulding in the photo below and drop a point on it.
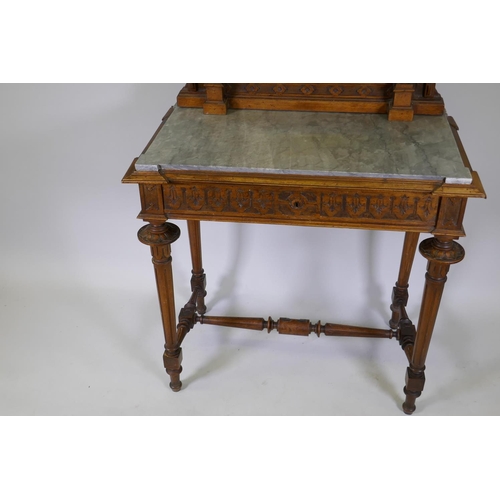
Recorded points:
(254, 161)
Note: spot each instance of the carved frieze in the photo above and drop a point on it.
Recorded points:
(320, 90)
(306, 203)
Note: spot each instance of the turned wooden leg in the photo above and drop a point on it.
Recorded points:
(400, 291)
(159, 237)
(198, 279)
(441, 253)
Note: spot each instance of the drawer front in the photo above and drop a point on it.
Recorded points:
(285, 205)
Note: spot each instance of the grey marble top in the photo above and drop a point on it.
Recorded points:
(304, 142)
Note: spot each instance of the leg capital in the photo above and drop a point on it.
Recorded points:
(162, 234)
(442, 251)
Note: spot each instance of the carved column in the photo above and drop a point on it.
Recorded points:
(441, 252)
(400, 291)
(159, 237)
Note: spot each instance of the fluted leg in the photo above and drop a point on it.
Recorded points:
(198, 279)
(400, 290)
(441, 253)
(159, 237)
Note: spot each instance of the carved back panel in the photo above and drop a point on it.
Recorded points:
(399, 100)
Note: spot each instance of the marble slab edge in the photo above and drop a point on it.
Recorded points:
(143, 167)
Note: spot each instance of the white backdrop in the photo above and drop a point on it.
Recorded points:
(79, 321)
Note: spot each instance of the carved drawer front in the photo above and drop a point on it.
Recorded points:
(229, 202)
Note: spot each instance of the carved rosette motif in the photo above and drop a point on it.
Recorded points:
(279, 88)
(300, 203)
(307, 89)
(336, 91)
(365, 91)
(252, 88)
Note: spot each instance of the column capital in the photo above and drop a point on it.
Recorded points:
(442, 251)
(161, 234)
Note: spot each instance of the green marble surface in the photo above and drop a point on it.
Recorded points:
(307, 143)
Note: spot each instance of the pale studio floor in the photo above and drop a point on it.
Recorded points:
(80, 330)
(74, 347)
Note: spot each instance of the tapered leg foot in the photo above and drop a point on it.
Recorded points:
(172, 363)
(415, 381)
(176, 387)
(409, 404)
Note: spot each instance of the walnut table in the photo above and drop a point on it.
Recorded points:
(306, 169)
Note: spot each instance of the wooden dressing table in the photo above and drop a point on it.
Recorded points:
(310, 168)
